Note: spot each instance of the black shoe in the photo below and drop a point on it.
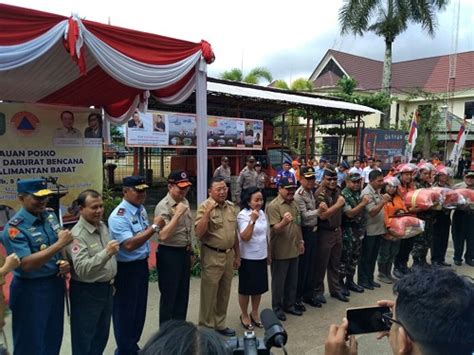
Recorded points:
(313, 302)
(227, 332)
(320, 298)
(366, 285)
(470, 262)
(299, 306)
(440, 264)
(374, 284)
(294, 311)
(457, 262)
(345, 291)
(398, 273)
(280, 315)
(354, 287)
(340, 296)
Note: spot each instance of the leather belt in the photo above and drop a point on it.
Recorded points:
(329, 229)
(217, 249)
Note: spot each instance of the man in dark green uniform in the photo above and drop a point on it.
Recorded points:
(353, 229)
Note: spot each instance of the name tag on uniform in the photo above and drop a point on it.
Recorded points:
(37, 234)
(93, 245)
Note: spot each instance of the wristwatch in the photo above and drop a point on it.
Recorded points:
(251, 222)
(155, 227)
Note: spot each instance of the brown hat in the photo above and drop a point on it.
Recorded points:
(224, 159)
(250, 158)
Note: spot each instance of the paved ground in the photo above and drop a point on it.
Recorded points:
(306, 334)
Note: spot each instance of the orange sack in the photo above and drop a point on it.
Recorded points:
(423, 199)
(406, 227)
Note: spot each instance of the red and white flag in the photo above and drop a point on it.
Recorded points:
(459, 144)
(413, 133)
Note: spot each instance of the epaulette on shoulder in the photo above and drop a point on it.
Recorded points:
(229, 203)
(15, 221)
(49, 209)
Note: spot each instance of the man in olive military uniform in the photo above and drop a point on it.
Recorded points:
(215, 226)
(223, 170)
(94, 268)
(304, 198)
(329, 246)
(286, 244)
(247, 177)
(422, 242)
(37, 289)
(173, 255)
(128, 224)
(463, 226)
(353, 229)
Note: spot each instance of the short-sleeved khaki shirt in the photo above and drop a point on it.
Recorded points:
(87, 254)
(376, 224)
(222, 226)
(166, 209)
(284, 245)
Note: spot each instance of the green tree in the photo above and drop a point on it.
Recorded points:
(388, 19)
(253, 77)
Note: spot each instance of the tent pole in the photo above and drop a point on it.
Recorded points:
(201, 134)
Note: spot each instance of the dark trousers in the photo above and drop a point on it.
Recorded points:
(37, 307)
(463, 232)
(91, 312)
(229, 191)
(401, 260)
(284, 283)
(129, 310)
(368, 258)
(328, 257)
(173, 267)
(306, 264)
(440, 236)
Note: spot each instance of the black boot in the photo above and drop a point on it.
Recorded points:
(382, 276)
(351, 285)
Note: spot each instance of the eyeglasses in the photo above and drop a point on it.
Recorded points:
(388, 320)
(331, 179)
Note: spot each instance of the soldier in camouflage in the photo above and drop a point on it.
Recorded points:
(353, 229)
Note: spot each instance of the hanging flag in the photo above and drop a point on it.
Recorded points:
(459, 144)
(410, 147)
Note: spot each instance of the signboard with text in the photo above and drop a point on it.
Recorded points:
(386, 145)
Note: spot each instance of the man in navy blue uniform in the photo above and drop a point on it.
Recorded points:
(37, 289)
(128, 224)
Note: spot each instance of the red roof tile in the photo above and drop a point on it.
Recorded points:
(428, 74)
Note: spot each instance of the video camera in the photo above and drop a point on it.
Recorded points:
(250, 344)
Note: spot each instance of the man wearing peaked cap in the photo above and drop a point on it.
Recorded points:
(329, 241)
(247, 177)
(35, 235)
(286, 244)
(173, 256)
(304, 197)
(128, 224)
(224, 171)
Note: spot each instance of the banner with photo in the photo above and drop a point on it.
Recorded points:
(386, 145)
(53, 142)
(176, 130)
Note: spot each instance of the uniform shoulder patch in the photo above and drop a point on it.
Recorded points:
(13, 232)
(15, 221)
(121, 212)
(75, 248)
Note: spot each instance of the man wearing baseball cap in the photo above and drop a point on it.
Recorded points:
(173, 256)
(37, 292)
(128, 224)
(286, 244)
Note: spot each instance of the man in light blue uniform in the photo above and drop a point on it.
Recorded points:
(36, 292)
(128, 224)
(319, 171)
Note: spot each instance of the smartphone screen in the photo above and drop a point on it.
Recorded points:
(366, 320)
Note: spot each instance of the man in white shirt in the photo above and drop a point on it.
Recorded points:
(370, 166)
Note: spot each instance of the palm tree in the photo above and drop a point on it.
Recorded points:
(388, 18)
(253, 77)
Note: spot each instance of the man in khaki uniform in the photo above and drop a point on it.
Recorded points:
(215, 226)
(94, 268)
(304, 197)
(173, 255)
(247, 178)
(286, 243)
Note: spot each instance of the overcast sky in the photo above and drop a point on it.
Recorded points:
(287, 37)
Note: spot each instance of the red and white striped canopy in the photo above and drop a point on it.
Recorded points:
(52, 59)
